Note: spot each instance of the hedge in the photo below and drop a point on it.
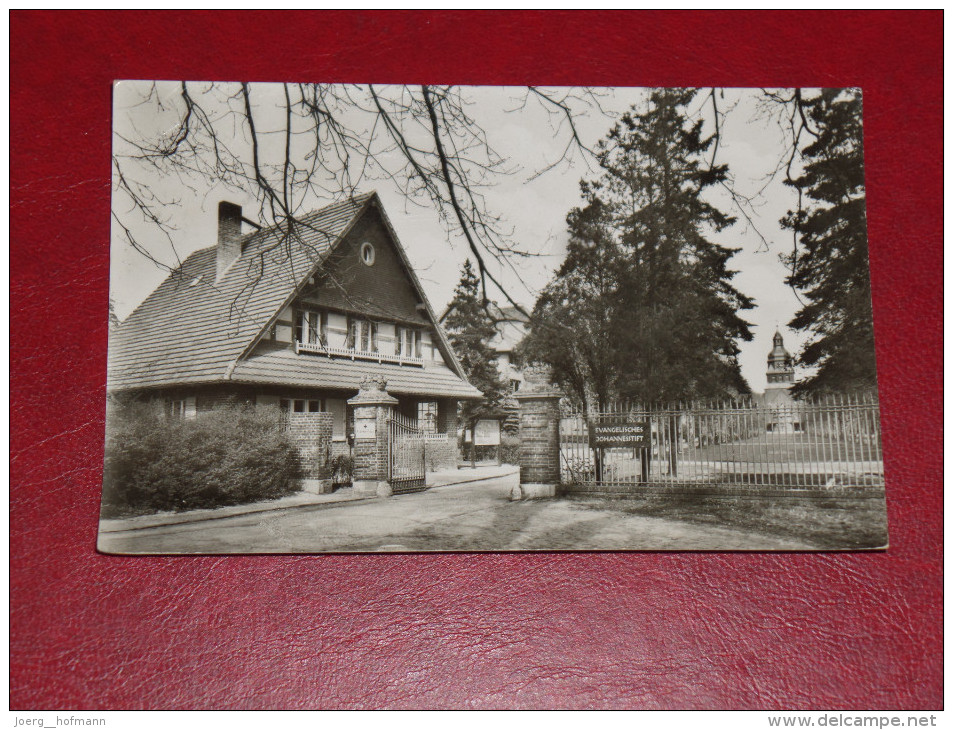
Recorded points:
(510, 449)
(222, 457)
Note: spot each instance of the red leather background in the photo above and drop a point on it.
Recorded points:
(676, 630)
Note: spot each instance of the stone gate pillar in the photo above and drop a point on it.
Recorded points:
(539, 439)
(372, 406)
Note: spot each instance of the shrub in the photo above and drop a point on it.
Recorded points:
(578, 469)
(510, 449)
(342, 469)
(226, 456)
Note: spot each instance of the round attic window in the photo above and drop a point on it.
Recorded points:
(367, 253)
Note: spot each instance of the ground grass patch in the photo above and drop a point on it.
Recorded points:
(822, 521)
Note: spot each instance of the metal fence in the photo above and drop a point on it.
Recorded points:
(834, 441)
(406, 454)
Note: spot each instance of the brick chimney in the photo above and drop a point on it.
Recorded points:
(229, 236)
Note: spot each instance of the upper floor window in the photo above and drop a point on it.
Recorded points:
(409, 342)
(311, 328)
(362, 335)
(336, 334)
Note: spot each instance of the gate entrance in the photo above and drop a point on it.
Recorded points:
(406, 455)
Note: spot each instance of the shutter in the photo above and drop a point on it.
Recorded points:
(398, 347)
(299, 316)
(365, 335)
(312, 327)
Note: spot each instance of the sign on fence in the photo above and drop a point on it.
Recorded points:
(830, 442)
(618, 432)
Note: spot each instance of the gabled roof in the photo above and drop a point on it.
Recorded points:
(506, 314)
(496, 313)
(193, 329)
(509, 334)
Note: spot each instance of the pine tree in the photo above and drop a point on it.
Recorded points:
(470, 330)
(573, 324)
(830, 267)
(641, 259)
(680, 324)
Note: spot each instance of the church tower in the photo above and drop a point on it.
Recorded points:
(780, 366)
(784, 414)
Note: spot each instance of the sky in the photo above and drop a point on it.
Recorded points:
(533, 207)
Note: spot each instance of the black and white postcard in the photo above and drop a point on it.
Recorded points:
(358, 318)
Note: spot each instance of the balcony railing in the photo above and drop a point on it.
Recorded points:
(316, 348)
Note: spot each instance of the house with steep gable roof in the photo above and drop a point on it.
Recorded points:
(293, 317)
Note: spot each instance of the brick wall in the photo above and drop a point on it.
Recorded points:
(447, 416)
(441, 452)
(340, 448)
(539, 438)
(367, 465)
(311, 432)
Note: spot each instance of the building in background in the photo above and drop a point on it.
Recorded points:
(777, 393)
(510, 325)
(510, 331)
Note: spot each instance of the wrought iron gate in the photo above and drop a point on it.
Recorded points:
(406, 455)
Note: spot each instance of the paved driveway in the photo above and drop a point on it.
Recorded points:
(465, 517)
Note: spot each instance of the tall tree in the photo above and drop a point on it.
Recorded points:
(470, 329)
(643, 259)
(573, 324)
(830, 266)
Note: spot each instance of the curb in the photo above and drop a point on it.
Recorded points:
(213, 517)
(303, 505)
(475, 479)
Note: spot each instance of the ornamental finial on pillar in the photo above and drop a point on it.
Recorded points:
(374, 383)
(373, 390)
